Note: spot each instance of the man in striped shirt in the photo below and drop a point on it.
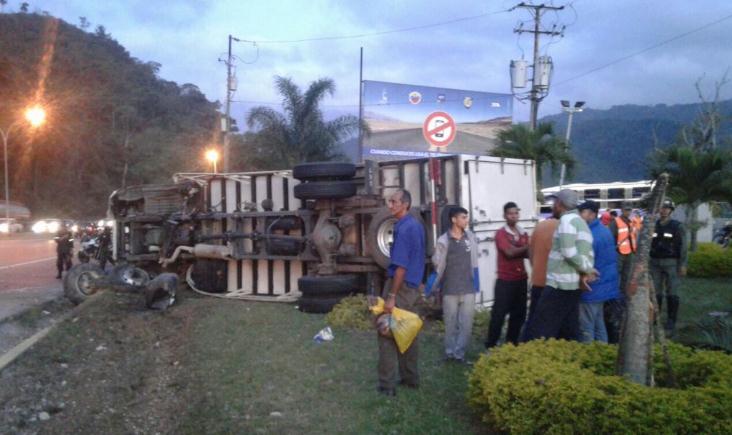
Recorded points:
(571, 261)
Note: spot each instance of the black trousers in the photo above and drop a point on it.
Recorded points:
(63, 260)
(613, 310)
(557, 315)
(510, 298)
(533, 302)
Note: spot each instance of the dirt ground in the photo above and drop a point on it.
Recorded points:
(110, 369)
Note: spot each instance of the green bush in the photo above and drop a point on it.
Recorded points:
(560, 387)
(351, 312)
(710, 260)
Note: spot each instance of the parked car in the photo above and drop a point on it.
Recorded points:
(10, 225)
(46, 226)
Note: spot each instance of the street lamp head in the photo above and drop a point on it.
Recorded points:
(579, 104)
(212, 156)
(565, 103)
(35, 115)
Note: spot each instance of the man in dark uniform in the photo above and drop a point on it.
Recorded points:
(64, 249)
(668, 262)
(402, 291)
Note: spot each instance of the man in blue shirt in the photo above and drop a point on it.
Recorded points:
(607, 286)
(405, 273)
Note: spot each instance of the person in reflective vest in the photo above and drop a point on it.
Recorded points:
(625, 229)
(668, 262)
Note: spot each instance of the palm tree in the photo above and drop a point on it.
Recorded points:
(301, 134)
(540, 145)
(697, 176)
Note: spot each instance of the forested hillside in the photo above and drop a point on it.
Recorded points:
(111, 119)
(613, 144)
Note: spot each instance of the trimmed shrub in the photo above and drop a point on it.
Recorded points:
(710, 260)
(351, 312)
(560, 387)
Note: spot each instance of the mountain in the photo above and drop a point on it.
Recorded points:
(613, 144)
(111, 119)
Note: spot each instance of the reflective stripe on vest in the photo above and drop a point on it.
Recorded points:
(627, 237)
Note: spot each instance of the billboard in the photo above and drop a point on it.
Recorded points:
(422, 121)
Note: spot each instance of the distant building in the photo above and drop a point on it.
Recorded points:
(17, 210)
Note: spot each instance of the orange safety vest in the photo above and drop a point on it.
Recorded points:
(627, 235)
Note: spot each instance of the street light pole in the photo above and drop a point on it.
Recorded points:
(570, 111)
(5, 134)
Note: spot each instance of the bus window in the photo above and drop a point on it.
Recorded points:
(592, 193)
(640, 191)
(617, 193)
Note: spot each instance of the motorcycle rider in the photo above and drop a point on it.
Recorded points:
(64, 249)
(668, 262)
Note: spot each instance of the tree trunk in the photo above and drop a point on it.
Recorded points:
(693, 225)
(635, 353)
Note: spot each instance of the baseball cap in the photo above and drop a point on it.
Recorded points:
(568, 197)
(589, 205)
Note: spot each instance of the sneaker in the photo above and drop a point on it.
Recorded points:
(390, 392)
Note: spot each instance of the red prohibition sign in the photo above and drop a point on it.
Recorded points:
(439, 129)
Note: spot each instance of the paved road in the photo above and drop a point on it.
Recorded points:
(27, 273)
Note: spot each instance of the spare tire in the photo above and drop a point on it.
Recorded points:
(324, 171)
(327, 286)
(380, 235)
(317, 306)
(82, 281)
(325, 190)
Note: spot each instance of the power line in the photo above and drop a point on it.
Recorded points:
(383, 32)
(651, 47)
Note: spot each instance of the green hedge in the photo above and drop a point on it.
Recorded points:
(561, 387)
(710, 260)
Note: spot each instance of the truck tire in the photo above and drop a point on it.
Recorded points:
(380, 235)
(324, 171)
(277, 246)
(325, 190)
(80, 282)
(327, 286)
(127, 274)
(160, 293)
(317, 306)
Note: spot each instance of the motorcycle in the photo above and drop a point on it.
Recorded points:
(96, 247)
(723, 236)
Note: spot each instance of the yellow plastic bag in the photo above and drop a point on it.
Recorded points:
(404, 325)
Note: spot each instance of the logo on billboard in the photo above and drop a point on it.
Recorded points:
(468, 102)
(441, 98)
(415, 97)
(439, 129)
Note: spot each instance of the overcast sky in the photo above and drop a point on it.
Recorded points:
(188, 37)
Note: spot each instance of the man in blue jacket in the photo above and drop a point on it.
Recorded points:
(592, 322)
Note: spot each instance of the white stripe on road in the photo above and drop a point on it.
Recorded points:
(27, 263)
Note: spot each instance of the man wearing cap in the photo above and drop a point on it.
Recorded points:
(571, 260)
(668, 262)
(512, 244)
(591, 316)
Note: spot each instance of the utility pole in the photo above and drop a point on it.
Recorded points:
(227, 115)
(537, 84)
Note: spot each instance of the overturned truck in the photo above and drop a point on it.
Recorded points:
(313, 234)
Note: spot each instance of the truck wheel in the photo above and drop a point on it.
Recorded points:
(324, 171)
(127, 274)
(81, 282)
(276, 246)
(380, 235)
(327, 285)
(325, 190)
(317, 306)
(160, 292)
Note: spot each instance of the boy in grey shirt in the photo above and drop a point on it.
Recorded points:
(456, 263)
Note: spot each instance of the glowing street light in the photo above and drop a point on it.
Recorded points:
(35, 116)
(213, 157)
